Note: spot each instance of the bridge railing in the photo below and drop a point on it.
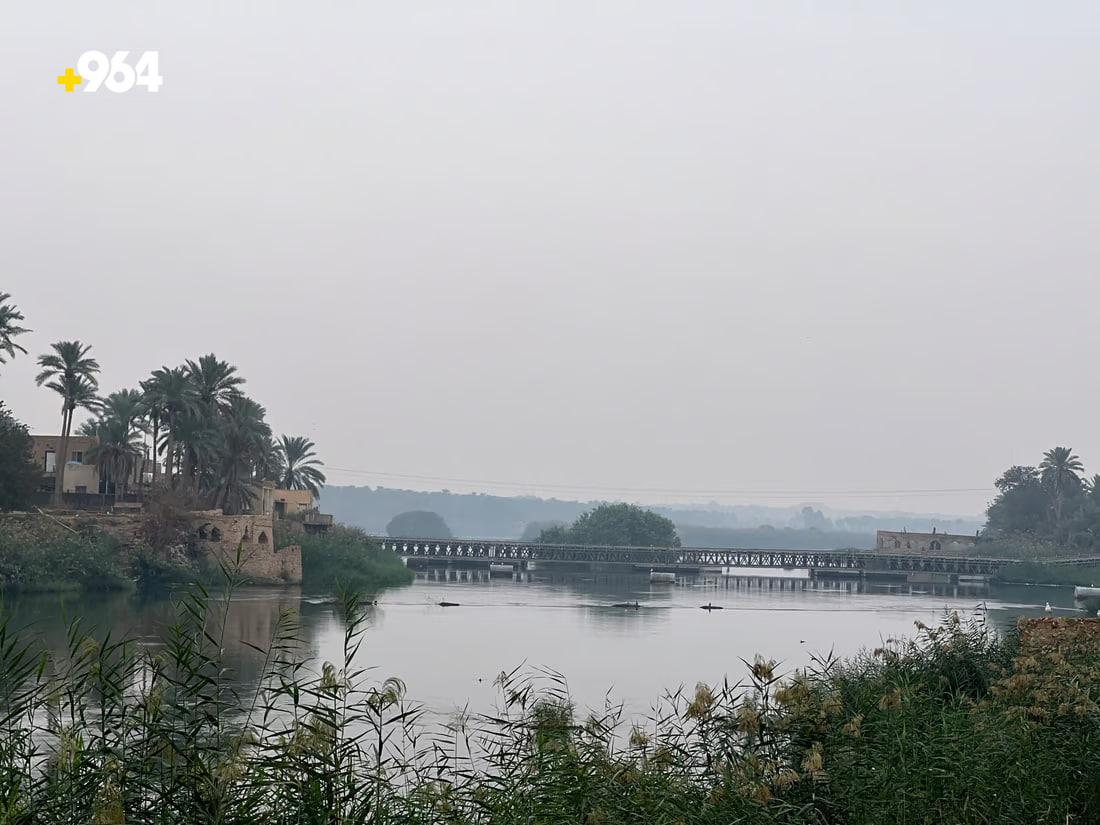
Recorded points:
(511, 550)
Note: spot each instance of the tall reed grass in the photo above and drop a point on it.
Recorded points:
(956, 726)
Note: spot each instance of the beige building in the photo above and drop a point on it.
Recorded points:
(946, 544)
(79, 477)
(289, 502)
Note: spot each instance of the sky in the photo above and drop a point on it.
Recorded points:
(760, 252)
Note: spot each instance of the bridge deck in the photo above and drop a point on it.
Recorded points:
(692, 557)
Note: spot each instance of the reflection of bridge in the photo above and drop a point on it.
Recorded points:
(854, 562)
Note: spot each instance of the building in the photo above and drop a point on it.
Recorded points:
(79, 477)
(289, 502)
(300, 510)
(934, 543)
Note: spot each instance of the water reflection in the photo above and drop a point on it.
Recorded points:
(565, 620)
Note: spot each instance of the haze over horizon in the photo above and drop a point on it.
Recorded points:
(755, 253)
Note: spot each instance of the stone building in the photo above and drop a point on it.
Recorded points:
(934, 543)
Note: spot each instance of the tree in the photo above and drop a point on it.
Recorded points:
(243, 434)
(169, 395)
(216, 383)
(1060, 471)
(116, 451)
(616, 524)
(270, 464)
(70, 373)
(301, 468)
(1021, 504)
(418, 524)
(10, 316)
(18, 473)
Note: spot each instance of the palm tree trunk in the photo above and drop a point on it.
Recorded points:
(156, 434)
(62, 458)
(170, 453)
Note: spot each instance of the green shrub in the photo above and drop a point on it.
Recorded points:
(345, 558)
(40, 555)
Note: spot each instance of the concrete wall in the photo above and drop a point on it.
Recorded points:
(945, 544)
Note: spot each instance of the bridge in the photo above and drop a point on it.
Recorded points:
(854, 562)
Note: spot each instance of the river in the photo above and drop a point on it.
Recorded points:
(564, 621)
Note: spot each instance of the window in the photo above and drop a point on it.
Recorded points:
(78, 457)
(51, 462)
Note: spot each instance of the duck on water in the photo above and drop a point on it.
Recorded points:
(711, 606)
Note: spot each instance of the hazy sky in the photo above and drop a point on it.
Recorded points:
(581, 246)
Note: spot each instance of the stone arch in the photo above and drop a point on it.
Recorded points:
(263, 537)
(247, 536)
(897, 544)
(936, 546)
(215, 534)
(203, 533)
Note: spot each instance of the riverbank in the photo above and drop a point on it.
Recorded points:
(961, 725)
(40, 554)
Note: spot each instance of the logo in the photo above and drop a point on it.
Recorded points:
(95, 71)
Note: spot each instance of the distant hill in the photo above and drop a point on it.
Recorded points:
(477, 515)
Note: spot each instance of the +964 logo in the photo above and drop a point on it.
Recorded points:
(95, 71)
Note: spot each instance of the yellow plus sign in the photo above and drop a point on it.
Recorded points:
(69, 79)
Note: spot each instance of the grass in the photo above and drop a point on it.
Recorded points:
(959, 725)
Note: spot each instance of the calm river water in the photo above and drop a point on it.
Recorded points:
(449, 656)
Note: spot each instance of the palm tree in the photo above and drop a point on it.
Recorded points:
(116, 452)
(70, 373)
(243, 435)
(269, 463)
(172, 395)
(301, 465)
(1060, 471)
(215, 382)
(197, 442)
(9, 316)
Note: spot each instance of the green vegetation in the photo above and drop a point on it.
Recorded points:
(957, 726)
(1049, 510)
(418, 524)
(41, 556)
(621, 524)
(213, 440)
(10, 316)
(71, 373)
(344, 559)
(301, 470)
(18, 473)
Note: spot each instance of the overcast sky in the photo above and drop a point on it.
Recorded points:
(581, 247)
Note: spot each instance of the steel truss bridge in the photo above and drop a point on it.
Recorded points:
(520, 553)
